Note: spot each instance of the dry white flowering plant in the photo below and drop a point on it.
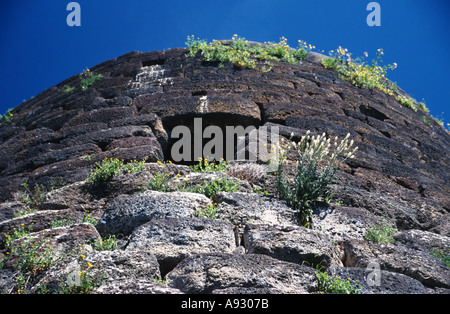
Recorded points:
(318, 161)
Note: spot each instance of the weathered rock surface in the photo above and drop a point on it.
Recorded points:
(35, 222)
(135, 286)
(339, 223)
(208, 272)
(107, 270)
(392, 283)
(173, 239)
(292, 244)
(398, 258)
(198, 179)
(400, 175)
(59, 240)
(126, 213)
(242, 208)
(122, 265)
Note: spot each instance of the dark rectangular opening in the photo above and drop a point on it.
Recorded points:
(199, 93)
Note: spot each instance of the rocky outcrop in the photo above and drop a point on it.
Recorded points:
(126, 213)
(253, 242)
(172, 240)
(210, 272)
(292, 244)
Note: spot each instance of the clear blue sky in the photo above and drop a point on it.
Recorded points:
(39, 50)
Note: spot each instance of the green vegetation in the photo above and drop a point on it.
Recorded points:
(163, 282)
(358, 72)
(408, 102)
(86, 282)
(32, 259)
(7, 118)
(314, 172)
(426, 119)
(87, 218)
(364, 75)
(260, 190)
(33, 254)
(17, 234)
(63, 222)
(210, 166)
(209, 212)
(33, 197)
(381, 233)
(328, 284)
(68, 89)
(25, 211)
(210, 188)
(245, 55)
(80, 281)
(108, 243)
(109, 168)
(87, 79)
(159, 182)
(442, 255)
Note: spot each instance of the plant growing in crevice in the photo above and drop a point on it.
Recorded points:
(205, 165)
(32, 256)
(63, 222)
(380, 233)
(34, 197)
(210, 188)
(82, 280)
(330, 284)
(7, 118)
(159, 182)
(443, 255)
(17, 233)
(408, 102)
(88, 78)
(209, 212)
(319, 159)
(108, 243)
(111, 167)
(68, 89)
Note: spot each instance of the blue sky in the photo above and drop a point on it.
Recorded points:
(39, 50)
